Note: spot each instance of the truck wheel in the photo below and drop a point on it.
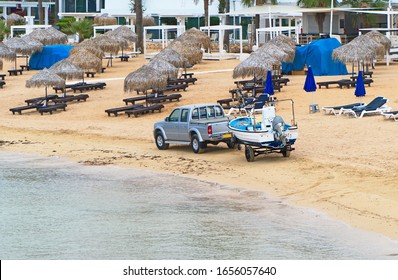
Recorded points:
(197, 147)
(286, 153)
(231, 144)
(249, 153)
(160, 142)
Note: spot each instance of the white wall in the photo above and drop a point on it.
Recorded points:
(117, 6)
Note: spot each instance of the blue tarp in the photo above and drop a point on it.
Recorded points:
(318, 55)
(49, 56)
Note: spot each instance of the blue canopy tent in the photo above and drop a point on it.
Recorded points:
(318, 54)
(49, 56)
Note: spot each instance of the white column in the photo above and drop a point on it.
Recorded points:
(46, 15)
(60, 6)
(331, 17)
(98, 5)
(145, 32)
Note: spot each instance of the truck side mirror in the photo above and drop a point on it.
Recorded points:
(166, 119)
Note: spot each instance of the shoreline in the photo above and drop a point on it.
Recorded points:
(342, 166)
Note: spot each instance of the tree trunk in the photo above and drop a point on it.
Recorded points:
(320, 17)
(206, 8)
(227, 18)
(56, 17)
(41, 13)
(138, 24)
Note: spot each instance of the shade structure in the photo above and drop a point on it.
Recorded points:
(196, 37)
(67, 70)
(353, 52)
(36, 45)
(123, 32)
(45, 78)
(164, 67)
(366, 42)
(171, 56)
(58, 37)
(95, 51)
(309, 84)
(20, 46)
(146, 21)
(380, 38)
(272, 50)
(360, 86)
(269, 88)
(105, 19)
(14, 19)
(6, 53)
(253, 66)
(86, 60)
(191, 52)
(107, 44)
(286, 44)
(143, 79)
(42, 36)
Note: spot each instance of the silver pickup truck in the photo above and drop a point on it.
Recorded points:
(196, 125)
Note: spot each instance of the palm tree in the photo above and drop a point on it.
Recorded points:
(82, 27)
(206, 4)
(362, 20)
(320, 17)
(40, 8)
(139, 29)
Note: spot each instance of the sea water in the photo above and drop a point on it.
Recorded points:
(53, 209)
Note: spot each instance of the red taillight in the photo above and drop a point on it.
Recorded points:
(209, 130)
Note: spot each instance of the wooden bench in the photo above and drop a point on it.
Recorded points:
(70, 98)
(144, 110)
(51, 108)
(15, 72)
(3, 76)
(327, 83)
(115, 111)
(124, 58)
(187, 75)
(37, 100)
(165, 98)
(351, 83)
(23, 108)
(225, 103)
(85, 87)
(90, 74)
(176, 87)
(23, 67)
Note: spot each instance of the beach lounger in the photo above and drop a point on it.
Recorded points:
(393, 115)
(336, 110)
(376, 106)
(144, 110)
(115, 111)
(70, 98)
(351, 83)
(38, 100)
(164, 98)
(23, 108)
(51, 108)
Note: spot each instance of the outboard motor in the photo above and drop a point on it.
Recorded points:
(277, 124)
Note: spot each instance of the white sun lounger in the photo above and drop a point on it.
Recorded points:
(377, 106)
(336, 110)
(391, 115)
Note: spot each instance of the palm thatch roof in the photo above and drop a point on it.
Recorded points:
(123, 32)
(107, 44)
(15, 19)
(271, 50)
(145, 78)
(58, 36)
(36, 45)
(379, 38)
(353, 52)
(282, 39)
(20, 46)
(366, 42)
(95, 51)
(172, 57)
(146, 21)
(190, 52)
(195, 36)
(105, 19)
(6, 53)
(42, 35)
(164, 67)
(253, 66)
(85, 60)
(67, 70)
(45, 78)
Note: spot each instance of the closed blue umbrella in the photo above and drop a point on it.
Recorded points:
(310, 85)
(269, 88)
(360, 87)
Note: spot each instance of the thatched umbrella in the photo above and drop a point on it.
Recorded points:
(282, 39)
(19, 46)
(36, 45)
(6, 53)
(15, 19)
(366, 42)
(190, 52)
(95, 51)
(42, 35)
(253, 66)
(171, 56)
(58, 36)
(107, 44)
(123, 35)
(105, 19)
(85, 60)
(146, 21)
(164, 67)
(143, 79)
(45, 78)
(67, 70)
(195, 36)
(271, 50)
(380, 38)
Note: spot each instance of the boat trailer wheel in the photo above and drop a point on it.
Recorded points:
(249, 153)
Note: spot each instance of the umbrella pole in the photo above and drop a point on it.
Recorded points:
(313, 101)
(45, 100)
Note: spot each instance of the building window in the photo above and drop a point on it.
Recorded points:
(80, 6)
(70, 6)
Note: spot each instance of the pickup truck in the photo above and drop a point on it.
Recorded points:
(196, 125)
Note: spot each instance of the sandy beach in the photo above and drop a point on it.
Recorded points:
(343, 166)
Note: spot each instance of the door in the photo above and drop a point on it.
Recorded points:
(183, 126)
(171, 126)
